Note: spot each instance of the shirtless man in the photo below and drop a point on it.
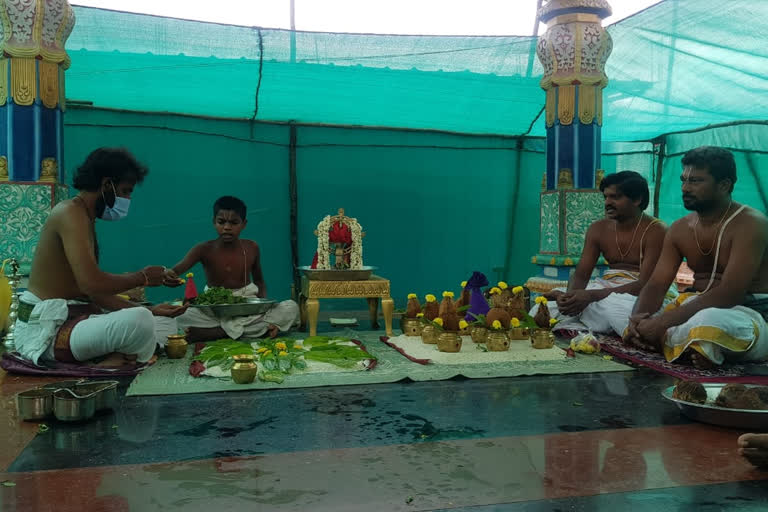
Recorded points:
(234, 263)
(60, 314)
(724, 244)
(630, 241)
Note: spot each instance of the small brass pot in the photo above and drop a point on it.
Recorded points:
(448, 342)
(429, 334)
(244, 370)
(410, 326)
(497, 341)
(176, 348)
(479, 334)
(519, 333)
(542, 338)
(466, 332)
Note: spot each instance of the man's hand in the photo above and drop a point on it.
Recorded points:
(171, 279)
(652, 331)
(168, 310)
(154, 275)
(574, 302)
(632, 336)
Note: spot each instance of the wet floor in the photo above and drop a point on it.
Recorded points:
(543, 443)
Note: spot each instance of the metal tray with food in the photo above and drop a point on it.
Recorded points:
(710, 412)
(316, 274)
(251, 306)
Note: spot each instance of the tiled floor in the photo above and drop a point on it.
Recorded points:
(551, 443)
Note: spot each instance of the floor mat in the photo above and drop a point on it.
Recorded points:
(171, 376)
(747, 374)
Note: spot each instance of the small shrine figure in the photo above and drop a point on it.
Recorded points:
(341, 237)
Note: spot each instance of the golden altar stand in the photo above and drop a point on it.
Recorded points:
(374, 290)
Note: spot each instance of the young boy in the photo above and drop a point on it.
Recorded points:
(233, 263)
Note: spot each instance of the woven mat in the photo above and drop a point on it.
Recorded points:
(745, 374)
(171, 376)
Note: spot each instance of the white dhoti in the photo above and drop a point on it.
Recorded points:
(609, 315)
(285, 315)
(737, 334)
(131, 331)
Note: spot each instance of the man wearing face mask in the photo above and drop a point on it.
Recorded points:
(71, 312)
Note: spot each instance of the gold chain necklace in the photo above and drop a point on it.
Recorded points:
(616, 229)
(696, 235)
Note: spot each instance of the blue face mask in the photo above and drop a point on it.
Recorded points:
(117, 211)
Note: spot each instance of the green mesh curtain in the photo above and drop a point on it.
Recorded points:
(433, 143)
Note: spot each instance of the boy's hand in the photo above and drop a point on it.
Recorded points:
(168, 310)
(154, 275)
(170, 279)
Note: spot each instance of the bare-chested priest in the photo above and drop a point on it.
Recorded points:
(70, 311)
(724, 243)
(630, 241)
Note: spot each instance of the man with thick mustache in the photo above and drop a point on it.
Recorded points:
(723, 317)
(630, 241)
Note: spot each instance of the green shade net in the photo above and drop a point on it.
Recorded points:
(679, 64)
(374, 115)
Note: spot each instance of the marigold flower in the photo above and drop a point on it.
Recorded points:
(419, 315)
(282, 353)
(448, 294)
(190, 274)
(182, 281)
(463, 284)
(463, 324)
(438, 321)
(541, 300)
(517, 289)
(552, 322)
(260, 350)
(411, 296)
(495, 290)
(268, 352)
(515, 322)
(280, 345)
(297, 346)
(496, 324)
(430, 298)
(502, 285)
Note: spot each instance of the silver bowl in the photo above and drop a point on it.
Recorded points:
(252, 306)
(105, 391)
(746, 419)
(316, 274)
(35, 404)
(69, 406)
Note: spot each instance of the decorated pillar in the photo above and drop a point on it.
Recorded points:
(573, 52)
(32, 65)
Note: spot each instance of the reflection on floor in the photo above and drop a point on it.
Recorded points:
(574, 442)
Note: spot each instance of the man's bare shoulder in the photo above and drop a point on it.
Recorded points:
(752, 219)
(66, 212)
(680, 225)
(600, 226)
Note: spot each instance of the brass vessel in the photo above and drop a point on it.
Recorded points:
(479, 334)
(542, 338)
(497, 341)
(176, 348)
(244, 370)
(448, 342)
(429, 334)
(518, 333)
(410, 326)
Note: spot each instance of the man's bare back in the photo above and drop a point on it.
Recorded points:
(701, 256)
(52, 275)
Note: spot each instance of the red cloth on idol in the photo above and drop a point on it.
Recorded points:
(339, 234)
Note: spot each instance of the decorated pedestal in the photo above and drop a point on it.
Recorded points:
(337, 272)
(32, 103)
(573, 52)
